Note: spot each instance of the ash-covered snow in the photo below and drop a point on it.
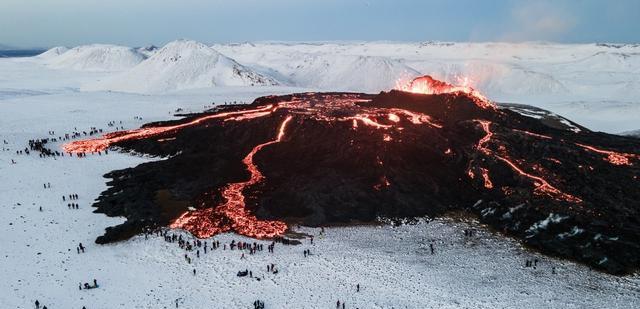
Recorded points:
(393, 265)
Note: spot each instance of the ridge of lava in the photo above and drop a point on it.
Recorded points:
(423, 149)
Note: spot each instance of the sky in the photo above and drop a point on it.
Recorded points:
(47, 23)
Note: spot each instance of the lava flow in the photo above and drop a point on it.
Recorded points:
(540, 184)
(102, 143)
(615, 158)
(424, 150)
(232, 215)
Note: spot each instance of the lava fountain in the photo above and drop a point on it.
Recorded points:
(428, 85)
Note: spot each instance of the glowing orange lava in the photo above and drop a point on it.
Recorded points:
(370, 122)
(418, 118)
(393, 117)
(540, 184)
(615, 158)
(485, 176)
(533, 134)
(233, 215)
(102, 143)
(428, 85)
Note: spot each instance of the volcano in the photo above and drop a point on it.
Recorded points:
(426, 149)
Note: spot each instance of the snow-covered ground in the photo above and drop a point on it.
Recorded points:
(596, 85)
(393, 266)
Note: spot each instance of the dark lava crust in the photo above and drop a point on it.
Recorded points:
(326, 172)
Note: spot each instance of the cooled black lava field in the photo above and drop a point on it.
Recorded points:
(337, 158)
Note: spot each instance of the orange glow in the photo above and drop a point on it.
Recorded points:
(486, 127)
(384, 182)
(418, 118)
(485, 176)
(540, 184)
(233, 215)
(615, 158)
(102, 143)
(533, 134)
(428, 85)
(249, 116)
(370, 122)
(554, 160)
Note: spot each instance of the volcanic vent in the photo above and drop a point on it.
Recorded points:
(426, 149)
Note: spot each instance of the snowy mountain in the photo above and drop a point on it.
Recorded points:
(505, 71)
(183, 65)
(148, 51)
(345, 72)
(97, 57)
(53, 52)
(525, 73)
(594, 84)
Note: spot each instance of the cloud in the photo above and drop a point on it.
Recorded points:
(539, 21)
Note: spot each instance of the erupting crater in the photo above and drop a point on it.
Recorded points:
(423, 149)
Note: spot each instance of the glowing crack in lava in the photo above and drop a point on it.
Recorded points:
(232, 215)
(102, 143)
(428, 85)
(540, 184)
(615, 158)
(418, 118)
(370, 122)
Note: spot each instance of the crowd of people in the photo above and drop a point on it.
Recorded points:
(40, 145)
(87, 286)
(71, 197)
(192, 247)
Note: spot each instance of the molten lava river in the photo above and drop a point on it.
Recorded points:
(423, 149)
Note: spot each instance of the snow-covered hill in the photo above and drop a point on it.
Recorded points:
(525, 73)
(53, 52)
(345, 72)
(597, 85)
(183, 65)
(504, 71)
(148, 51)
(97, 57)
